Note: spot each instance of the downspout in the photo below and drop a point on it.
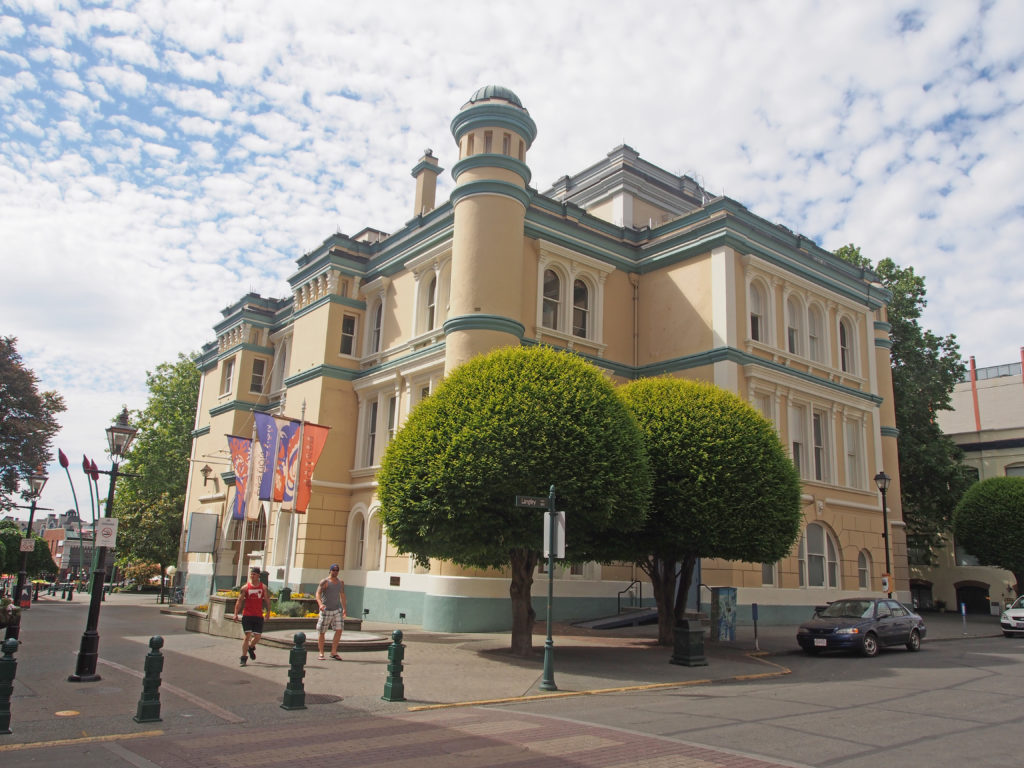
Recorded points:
(974, 394)
(634, 280)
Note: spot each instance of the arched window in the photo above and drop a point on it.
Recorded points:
(864, 570)
(819, 563)
(360, 541)
(378, 318)
(758, 310)
(794, 326)
(815, 332)
(552, 299)
(431, 298)
(846, 350)
(580, 308)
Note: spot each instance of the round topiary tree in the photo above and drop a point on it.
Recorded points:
(989, 523)
(723, 487)
(514, 422)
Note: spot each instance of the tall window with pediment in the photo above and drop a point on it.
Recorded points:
(431, 298)
(819, 561)
(378, 319)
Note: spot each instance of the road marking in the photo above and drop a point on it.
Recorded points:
(125, 754)
(83, 740)
(209, 706)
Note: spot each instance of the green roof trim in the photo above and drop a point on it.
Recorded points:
(322, 372)
(484, 323)
(201, 431)
(490, 115)
(889, 431)
(488, 187)
(492, 160)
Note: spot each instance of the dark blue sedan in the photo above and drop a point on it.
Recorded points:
(861, 624)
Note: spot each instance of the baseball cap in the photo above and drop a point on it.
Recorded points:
(334, 567)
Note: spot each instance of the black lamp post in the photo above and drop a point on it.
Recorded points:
(882, 480)
(119, 439)
(36, 482)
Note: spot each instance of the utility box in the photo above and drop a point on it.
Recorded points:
(723, 614)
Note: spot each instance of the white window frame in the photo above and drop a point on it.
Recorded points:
(769, 574)
(828, 558)
(570, 267)
(795, 325)
(847, 328)
(798, 439)
(349, 337)
(759, 305)
(430, 306)
(821, 443)
(856, 473)
(864, 570)
(227, 375)
(816, 341)
(261, 376)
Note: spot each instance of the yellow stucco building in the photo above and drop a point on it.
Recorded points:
(636, 269)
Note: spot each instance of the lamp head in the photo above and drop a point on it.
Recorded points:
(36, 481)
(882, 480)
(120, 435)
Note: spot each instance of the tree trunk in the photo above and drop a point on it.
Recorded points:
(663, 576)
(685, 580)
(523, 561)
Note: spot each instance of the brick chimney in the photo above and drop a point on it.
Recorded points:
(425, 173)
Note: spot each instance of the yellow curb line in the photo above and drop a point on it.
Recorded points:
(83, 740)
(781, 671)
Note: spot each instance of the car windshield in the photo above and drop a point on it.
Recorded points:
(1018, 603)
(849, 609)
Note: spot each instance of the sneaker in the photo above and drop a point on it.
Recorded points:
(242, 661)
(252, 654)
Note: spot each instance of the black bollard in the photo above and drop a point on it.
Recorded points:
(294, 692)
(8, 668)
(394, 688)
(71, 590)
(149, 702)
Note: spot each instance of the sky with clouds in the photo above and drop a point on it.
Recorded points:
(159, 159)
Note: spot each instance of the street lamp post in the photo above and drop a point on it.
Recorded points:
(119, 439)
(36, 482)
(882, 480)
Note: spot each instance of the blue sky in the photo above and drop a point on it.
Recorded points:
(158, 160)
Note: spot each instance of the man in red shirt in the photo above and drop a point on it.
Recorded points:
(256, 598)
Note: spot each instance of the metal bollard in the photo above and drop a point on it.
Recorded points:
(149, 702)
(394, 688)
(8, 668)
(294, 692)
(71, 590)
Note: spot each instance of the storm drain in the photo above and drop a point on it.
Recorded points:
(321, 698)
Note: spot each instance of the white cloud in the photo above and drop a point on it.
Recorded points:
(177, 148)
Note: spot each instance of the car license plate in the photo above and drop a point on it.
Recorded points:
(820, 641)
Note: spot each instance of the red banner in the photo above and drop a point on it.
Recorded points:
(314, 437)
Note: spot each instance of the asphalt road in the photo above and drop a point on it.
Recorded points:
(954, 703)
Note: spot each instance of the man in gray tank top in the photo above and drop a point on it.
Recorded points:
(330, 596)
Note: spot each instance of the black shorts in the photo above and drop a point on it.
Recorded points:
(253, 624)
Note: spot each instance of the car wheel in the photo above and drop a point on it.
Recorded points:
(869, 646)
(914, 643)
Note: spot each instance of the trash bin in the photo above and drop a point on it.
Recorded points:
(688, 645)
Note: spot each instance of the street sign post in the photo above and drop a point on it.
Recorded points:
(547, 682)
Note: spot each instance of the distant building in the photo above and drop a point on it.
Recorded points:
(634, 268)
(987, 422)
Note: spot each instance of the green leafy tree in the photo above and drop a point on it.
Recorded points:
(925, 368)
(149, 504)
(723, 487)
(40, 561)
(989, 523)
(28, 421)
(514, 422)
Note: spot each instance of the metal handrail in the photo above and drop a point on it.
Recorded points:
(638, 600)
